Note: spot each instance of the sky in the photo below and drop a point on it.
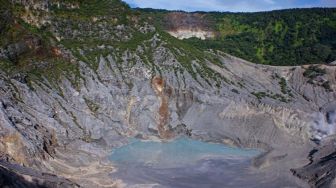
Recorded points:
(229, 5)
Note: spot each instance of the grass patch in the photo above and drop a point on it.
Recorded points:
(261, 95)
(313, 72)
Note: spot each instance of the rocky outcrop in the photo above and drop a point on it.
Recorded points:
(184, 25)
(16, 176)
(118, 81)
(96, 116)
(189, 33)
(320, 171)
(13, 51)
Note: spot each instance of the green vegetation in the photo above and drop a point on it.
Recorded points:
(259, 95)
(88, 9)
(285, 37)
(40, 61)
(54, 70)
(186, 54)
(92, 105)
(283, 85)
(279, 97)
(313, 72)
(35, 59)
(326, 86)
(279, 38)
(6, 66)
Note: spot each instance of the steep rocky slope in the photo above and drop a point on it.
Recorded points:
(81, 82)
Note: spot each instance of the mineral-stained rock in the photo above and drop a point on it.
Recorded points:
(104, 83)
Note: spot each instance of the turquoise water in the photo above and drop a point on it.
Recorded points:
(182, 151)
(187, 163)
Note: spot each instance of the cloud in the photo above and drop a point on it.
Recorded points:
(229, 5)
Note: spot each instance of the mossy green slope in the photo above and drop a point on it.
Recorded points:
(288, 37)
(283, 37)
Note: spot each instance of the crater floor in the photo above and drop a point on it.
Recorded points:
(185, 163)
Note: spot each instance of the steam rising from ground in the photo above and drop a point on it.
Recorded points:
(324, 124)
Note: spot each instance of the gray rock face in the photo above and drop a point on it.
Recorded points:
(40, 121)
(158, 90)
(20, 177)
(320, 171)
(13, 51)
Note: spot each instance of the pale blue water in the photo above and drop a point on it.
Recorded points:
(182, 151)
(187, 163)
